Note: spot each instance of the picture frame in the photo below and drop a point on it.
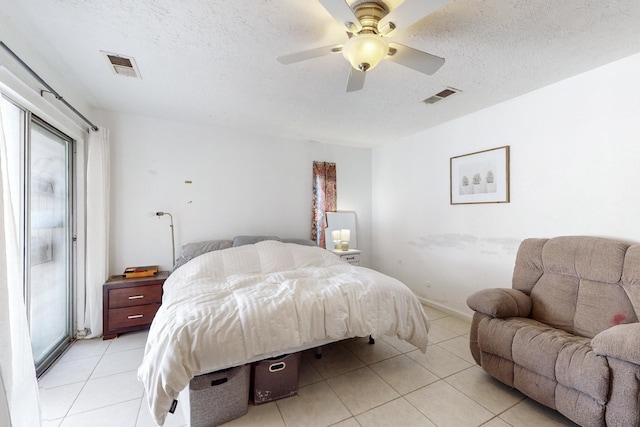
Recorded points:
(480, 177)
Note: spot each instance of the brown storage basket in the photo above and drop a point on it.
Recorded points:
(219, 397)
(275, 378)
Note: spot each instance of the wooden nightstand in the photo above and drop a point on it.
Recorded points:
(352, 256)
(130, 304)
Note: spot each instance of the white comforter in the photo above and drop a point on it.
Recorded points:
(229, 307)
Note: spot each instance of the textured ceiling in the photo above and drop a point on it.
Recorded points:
(214, 61)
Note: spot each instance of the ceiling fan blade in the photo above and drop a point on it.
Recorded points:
(408, 13)
(415, 59)
(309, 54)
(356, 80)
(342, 13)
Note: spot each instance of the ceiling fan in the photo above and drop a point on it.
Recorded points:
(368, 25)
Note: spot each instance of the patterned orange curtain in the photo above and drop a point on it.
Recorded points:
(324, 198)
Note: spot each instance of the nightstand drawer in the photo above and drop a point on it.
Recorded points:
(352, 259)
(132, 316)
(138, 295)
(352, 256)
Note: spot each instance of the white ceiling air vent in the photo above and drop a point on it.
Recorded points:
(122, 65)
(441, 95)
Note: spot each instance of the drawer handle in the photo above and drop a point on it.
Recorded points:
(136, 297)
(277, 367)
(350, 257)
(135, 316)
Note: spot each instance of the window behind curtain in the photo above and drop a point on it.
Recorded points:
(324, 198)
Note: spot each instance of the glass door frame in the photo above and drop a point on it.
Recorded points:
(69, 236)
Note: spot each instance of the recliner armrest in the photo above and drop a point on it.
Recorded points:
(620, 341)
(501, 302)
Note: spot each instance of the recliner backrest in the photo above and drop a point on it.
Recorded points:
(575, 282)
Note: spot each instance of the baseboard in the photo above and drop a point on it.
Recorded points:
(446, 309)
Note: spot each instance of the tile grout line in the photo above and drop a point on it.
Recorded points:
(400, 395)
(439, 379)
(85, 382)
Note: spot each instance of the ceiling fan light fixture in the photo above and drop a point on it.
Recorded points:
(365, 51)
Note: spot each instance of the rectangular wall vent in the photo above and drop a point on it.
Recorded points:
(122, 65)
(441, 95)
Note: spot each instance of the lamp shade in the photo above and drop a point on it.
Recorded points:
(365, 51)
(345, 235)
(335, 235)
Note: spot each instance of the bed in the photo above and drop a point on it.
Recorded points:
(241, 304)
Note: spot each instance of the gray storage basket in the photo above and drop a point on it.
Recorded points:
(219, 397)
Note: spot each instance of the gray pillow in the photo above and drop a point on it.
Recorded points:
(304, 242)
(250, 240)
(192, 250)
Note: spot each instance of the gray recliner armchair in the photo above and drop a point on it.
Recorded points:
(566, 333)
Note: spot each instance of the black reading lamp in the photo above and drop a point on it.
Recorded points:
(173, 245)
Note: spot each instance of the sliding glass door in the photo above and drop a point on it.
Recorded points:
(40, 177)
(48, 290)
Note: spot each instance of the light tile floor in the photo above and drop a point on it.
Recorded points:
(355, 384)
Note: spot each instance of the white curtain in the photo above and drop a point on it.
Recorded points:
(19, 398)
(97, 220)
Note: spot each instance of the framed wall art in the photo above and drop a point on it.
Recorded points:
(480, 177)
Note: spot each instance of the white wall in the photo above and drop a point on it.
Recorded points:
(575, 170)
(241, 184)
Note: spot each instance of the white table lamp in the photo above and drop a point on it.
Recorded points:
(335, 237)
(345, 236)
